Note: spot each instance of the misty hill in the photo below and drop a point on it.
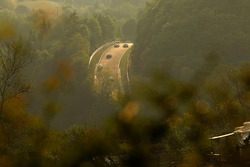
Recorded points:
(179, 35)
(120, 9)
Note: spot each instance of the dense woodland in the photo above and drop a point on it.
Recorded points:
(190, 76)
(180, 36)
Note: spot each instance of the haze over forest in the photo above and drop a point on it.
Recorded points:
(124, 83)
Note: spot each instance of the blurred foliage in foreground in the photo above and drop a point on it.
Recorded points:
(162, 122)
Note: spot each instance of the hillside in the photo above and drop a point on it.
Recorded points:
(179, 36)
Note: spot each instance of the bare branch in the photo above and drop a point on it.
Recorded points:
(13, 56)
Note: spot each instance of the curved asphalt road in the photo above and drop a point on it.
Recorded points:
(107, 75)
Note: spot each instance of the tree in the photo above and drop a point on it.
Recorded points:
(95, 30)
(107, 25)
(14, 54)
(175, 36)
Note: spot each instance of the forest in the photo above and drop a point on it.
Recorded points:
(181, 97)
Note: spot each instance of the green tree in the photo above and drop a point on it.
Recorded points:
(95, 30)
(107, 25)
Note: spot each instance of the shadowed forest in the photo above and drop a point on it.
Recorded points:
(188, 81)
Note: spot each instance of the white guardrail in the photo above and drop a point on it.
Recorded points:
(97, 50)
